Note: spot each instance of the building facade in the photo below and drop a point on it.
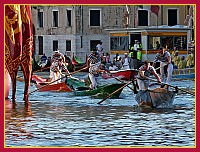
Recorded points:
(77, 29)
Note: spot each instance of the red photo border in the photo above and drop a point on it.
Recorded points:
(3, 149)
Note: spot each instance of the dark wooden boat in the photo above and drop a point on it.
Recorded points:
(121, 74)
(101, 91)
(76, 61)
(78, 64)
(155, 97)
(35, 66)
(70, 66)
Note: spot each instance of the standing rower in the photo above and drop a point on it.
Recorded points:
(57, 55)
(93, 63)
(165, 62)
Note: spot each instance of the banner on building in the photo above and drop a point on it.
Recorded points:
(155, 9)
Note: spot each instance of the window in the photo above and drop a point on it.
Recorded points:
(68, 45)
(180, 42)
(93, 44)
(40, 39)
(119, 43)
(172, 17)
(154, 43)
(167, 41)
(55, 45)
(94, 17)
(69, 18)
(142, 18)
(55, 19)
(40, 19)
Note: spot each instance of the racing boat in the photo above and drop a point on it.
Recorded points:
(155, 97)
(44, 85)
(122, 74)
(101, 91)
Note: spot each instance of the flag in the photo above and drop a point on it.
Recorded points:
(18, 44)
(155, 9)
(13, 38)
(27, 46)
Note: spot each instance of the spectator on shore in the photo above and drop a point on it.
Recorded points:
(182, 63)
(126, 62)
(157, 45)
(117, 61)
(112, 67)
(176, 60)
(190, 59)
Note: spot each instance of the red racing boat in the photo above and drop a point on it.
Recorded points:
(121, 74)
(43, 85)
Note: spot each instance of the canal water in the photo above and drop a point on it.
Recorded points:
(64, 120)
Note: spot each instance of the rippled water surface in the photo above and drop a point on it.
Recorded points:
(64, 120)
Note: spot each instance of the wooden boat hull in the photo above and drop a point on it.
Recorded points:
(70, 67)
(122, 74)
(102, 91)
(42, 83)
(155, 98)
(188, 73)
(74, 83)
(60, 87)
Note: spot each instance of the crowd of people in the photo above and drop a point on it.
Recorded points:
(182, 62)
(98, 62)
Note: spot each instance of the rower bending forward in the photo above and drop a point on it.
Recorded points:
(143, 74)
(143, 82)
(56, 71)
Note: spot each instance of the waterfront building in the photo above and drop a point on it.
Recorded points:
(77, 29)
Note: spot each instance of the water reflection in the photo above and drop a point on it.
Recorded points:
(63, 120)
(16, 120)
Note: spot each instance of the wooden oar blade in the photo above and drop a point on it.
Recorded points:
(114, 92)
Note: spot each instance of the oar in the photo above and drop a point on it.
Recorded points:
(46, 85)
(59, 79)
(120, 81)
(191, 93)
(81, 69)
(114, 92)
(160, 67)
